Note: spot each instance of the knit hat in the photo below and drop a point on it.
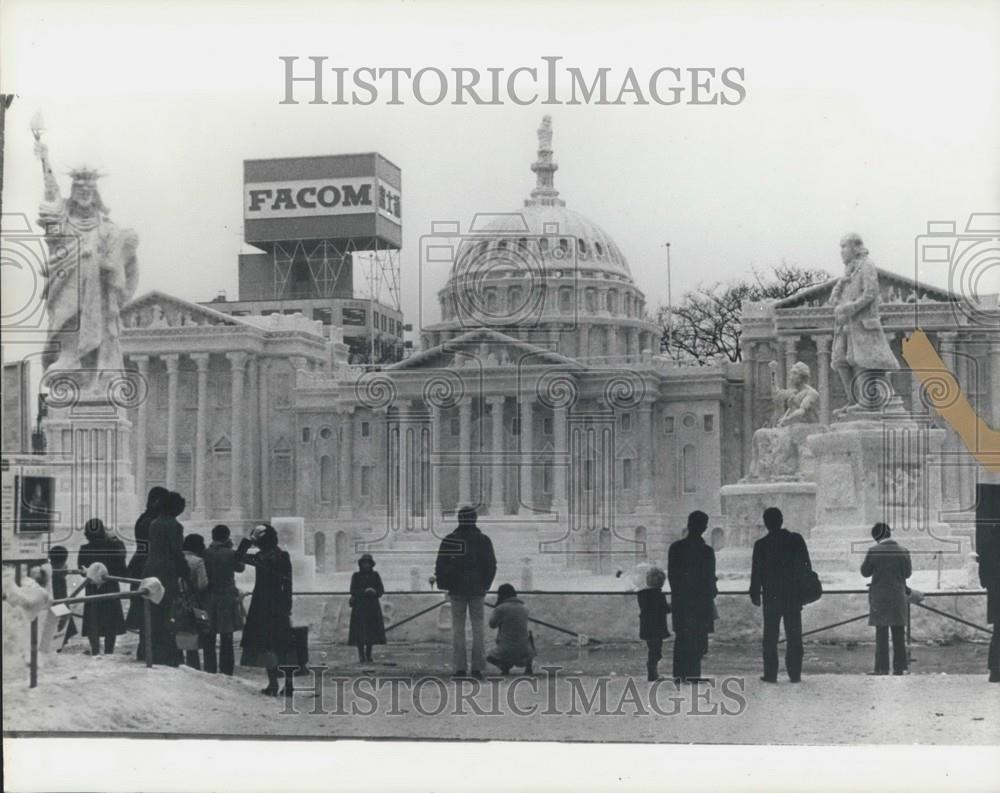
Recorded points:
(506, 592)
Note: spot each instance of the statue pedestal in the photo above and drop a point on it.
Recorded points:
(781, 475)
(88, 442)
(781, 454)
(743, 505)
(878, 466)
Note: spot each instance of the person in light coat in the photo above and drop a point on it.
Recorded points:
(515, 645)
(888, 565)
(197, 580)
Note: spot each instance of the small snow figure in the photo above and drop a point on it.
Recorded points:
(367, 625)
(634, 579)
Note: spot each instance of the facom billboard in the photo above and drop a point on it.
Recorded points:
(339, 197)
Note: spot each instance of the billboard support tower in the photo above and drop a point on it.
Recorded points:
(316, 219)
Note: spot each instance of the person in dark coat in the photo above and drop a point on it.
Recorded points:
(888, 565)
(58, 557)
(225, 613)
(367, 624)
(515, 645)
(988, 554)
(779, 565)
(166, 562)
(267, 634)
(465, 568)
(105, 618)
(653, 611)
(691, 571)
(137, 564)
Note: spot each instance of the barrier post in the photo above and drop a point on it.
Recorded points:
(33, 658)
(909, 655)
(147, 621)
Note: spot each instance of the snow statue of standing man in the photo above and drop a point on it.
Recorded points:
(91, 274)
(861, 354)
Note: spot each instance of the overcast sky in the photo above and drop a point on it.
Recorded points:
(868, 117)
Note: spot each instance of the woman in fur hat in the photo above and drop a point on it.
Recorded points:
(166, 562)
(267, 634)
(367, 625)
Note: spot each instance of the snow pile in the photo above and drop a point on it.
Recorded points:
(15, 638)
(113, 693)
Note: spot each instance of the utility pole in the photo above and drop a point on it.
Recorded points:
(670, 308)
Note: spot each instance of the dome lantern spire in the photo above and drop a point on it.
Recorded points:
(545, 194)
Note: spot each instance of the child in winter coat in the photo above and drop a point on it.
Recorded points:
(197, 583)
(653, 611)
(58, 558)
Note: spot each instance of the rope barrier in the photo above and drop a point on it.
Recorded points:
(830, 627)
(953, 617)
(550, 625)
(604, 593)
(414, 616)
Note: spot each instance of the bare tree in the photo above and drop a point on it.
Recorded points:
(707, 322)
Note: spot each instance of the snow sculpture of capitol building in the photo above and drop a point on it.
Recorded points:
(539, 397)
(542, 327)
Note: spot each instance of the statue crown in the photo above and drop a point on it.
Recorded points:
(85, 174)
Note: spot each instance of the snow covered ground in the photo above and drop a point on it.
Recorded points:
(115, 694)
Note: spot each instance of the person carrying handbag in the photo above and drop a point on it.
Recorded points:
(781, 578)
(191, 624)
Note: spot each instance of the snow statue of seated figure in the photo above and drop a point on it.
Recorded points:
(777, 450)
